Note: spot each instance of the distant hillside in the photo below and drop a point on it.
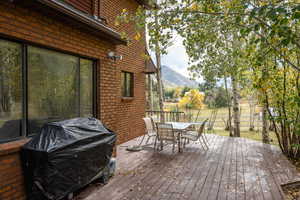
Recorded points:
(172, 78)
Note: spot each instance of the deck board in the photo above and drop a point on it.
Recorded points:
(233, 168)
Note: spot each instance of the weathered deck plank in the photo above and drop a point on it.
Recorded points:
(233, 168)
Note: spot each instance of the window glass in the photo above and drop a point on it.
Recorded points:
(59, 87)
(127, 84)
(123, 83)
(86, 88)
(10, 90)
(53, 87)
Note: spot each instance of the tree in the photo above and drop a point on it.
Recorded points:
(185, 90)
(192, 100)
(225, 39)
(169, 93)
(216, 52)
(177, 92)
(216, 97)
(158, 41)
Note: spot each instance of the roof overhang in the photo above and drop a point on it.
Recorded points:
(64, 12)
(150, 67)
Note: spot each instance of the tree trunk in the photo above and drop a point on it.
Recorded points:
(265, 129)
(150, 93)
(252, 111)
(229, 108)
(158, 75)
(159, 85)
(236, 109)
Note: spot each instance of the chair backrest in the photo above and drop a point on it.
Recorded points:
(212, 119)
(202, 128)
(149, 124)
(165, 131)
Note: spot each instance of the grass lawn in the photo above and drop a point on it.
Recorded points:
(222, 116)
(253, 135)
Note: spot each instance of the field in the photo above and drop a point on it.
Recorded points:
(222, 117)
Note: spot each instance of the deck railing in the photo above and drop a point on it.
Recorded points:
(168, 115)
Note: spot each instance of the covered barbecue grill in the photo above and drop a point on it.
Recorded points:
(65, 157)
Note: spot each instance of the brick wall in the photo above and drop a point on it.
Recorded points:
(129, 111)
(124, 117)
(11, 178)
(85, 6)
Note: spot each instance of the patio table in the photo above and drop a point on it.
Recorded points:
(181, 127)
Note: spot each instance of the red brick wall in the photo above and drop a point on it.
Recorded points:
(130, 111)
(11, 177)
(123, 117)
(83, 5)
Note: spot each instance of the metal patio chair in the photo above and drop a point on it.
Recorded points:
(196, 136)
(165, 133)
(150, 131)
(211, 121)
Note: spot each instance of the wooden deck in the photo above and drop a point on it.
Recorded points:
(233, 168)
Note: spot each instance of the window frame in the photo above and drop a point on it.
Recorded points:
(124, 83)
(24, 133)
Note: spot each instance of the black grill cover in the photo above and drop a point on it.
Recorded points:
(65, 157)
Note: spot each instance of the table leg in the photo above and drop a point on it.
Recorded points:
(179, 142)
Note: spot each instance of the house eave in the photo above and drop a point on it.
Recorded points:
(86, 21)
(150, 67)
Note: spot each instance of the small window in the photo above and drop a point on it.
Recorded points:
(127, 84)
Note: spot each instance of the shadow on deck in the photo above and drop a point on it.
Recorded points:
(233, 168)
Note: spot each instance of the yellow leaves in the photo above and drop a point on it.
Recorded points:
(264, 89)
(263, 3)
(194, 7)
(177, 92)
(117, 23)
(284, 49)
(123, 35)
(145, 56)
(192, 99)
(177, 20)
(226, 4)
(137, 36)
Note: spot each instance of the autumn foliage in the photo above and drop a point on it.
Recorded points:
(192, 100)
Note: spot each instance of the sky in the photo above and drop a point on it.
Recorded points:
(176, 58)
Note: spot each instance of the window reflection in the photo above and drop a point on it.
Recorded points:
(10, 89)
(59, 87)
(127, 84)
(53, 87)
(86, 88)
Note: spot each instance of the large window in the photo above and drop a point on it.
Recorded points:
(57, 86)
(86, 88)
(127, 84)
(10, 89)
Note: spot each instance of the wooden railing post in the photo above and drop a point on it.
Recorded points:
(167, 115)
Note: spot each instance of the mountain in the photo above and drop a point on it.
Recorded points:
(172, 78)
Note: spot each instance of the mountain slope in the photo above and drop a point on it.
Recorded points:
(172, 78)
